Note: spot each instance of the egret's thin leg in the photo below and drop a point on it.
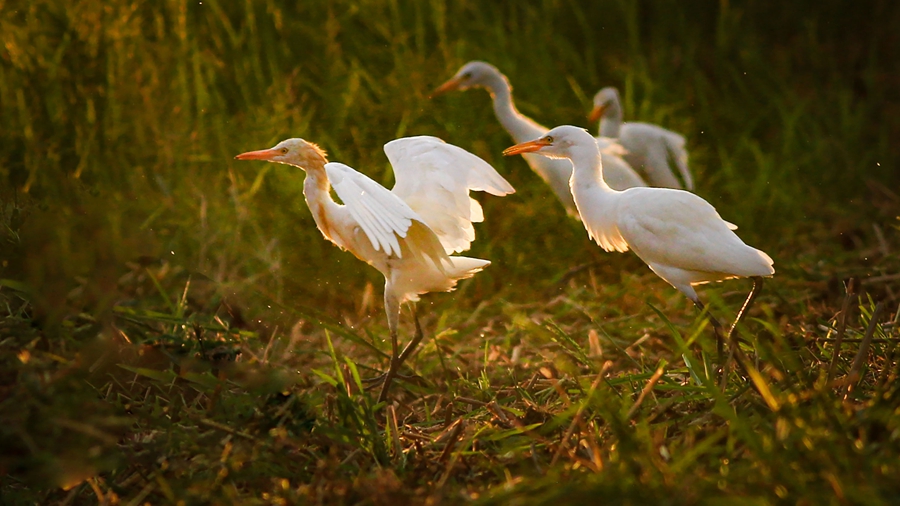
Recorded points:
(392, 370)
(757, 286)
(732, 332)
(397, 360)
(717, 329)
(407, 351)
(392, 309)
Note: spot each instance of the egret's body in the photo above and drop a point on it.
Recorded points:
(408, 233)
(650, 148)
(555, 173)
(677, 234)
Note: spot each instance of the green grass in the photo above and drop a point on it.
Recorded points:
(175, 329)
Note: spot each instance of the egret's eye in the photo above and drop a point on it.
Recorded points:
(549, 139)
(284, 151)
(467, 75)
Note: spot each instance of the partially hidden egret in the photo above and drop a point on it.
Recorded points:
(556, 173)
(677, 234)
(649, 148)
(408, 233)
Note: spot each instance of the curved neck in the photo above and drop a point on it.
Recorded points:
(611, 121)
(520, 127)
(317, 191)
(588, 169)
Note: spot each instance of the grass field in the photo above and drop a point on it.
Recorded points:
(174, 329)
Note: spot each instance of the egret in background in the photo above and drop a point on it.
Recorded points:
(409, 233)
(677, 234)
(649, 148)
(556, 173)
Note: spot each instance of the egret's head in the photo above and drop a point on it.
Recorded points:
(605, 100)
(557, 143)
(470, 75)
(296, 152)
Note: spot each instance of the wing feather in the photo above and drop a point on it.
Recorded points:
(680, 229)
(383, 217)
(434, 178)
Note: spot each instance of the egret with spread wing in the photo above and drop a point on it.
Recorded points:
(677, 234)
(555, 173)
(649, 148)
(408, 233)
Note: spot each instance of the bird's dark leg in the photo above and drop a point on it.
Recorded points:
(757, 286)
(733, 334)
(392, 369)
(717, 330)
(398, 359)
(392, 310)
(407, 351)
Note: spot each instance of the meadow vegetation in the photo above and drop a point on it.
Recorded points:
(174, 329)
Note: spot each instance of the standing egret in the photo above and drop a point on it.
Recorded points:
(677, 234)
(555, 173)
(649, 147)
(408, 233)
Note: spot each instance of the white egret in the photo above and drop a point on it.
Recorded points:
(408, 233)
(556, 173)
(649, 148)
(677, 234)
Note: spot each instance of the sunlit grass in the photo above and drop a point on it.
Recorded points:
(175, 328)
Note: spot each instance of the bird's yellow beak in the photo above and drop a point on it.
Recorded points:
(262, 154)
(451, 85)
(596, 113)
(525, 147)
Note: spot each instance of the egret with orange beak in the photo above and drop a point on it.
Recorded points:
(409, 233)
(556, 173)
(677, 234)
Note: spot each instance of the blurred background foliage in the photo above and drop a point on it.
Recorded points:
(120, 121)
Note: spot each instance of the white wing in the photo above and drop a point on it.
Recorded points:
(657, 150)
(434, 178)
(381, 215)
(679, 229)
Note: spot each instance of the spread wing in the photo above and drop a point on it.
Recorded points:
(434, 178)
(384, 218)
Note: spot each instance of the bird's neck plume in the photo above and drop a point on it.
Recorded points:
(313, 159)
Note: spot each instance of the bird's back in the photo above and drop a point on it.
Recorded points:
(678, 229)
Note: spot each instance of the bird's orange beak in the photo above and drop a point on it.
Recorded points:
(525, 147)
(596, 113)
(451, 85)
(262, 154)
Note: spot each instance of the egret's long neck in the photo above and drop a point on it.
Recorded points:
(519, 126)
(588, 170)
(317, 191)
(611, 121)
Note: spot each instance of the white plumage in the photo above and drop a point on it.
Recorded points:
(649, 148)
(409, 233)
(555, 173)
(434, 179)
(677, 234)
